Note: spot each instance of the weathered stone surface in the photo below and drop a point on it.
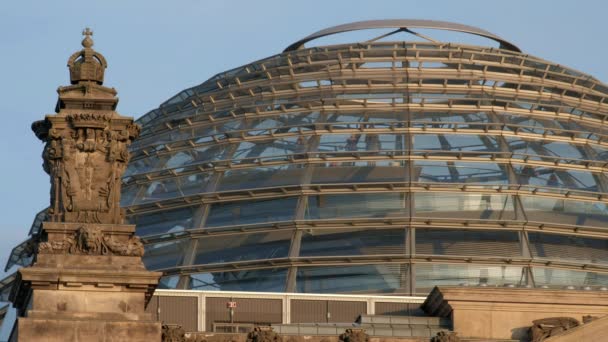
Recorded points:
(552, 326)
(508, 313)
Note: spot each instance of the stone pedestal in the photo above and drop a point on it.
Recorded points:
(86, 295)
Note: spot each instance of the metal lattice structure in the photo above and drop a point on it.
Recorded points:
(379, 166)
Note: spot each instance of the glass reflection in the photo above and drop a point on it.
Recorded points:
(174, 187)
(165, 254)
(455, 143)
(431, 275)
(565, 247)
(557, 178)
(261, 177)
(248, 212)
(167, 221)
(241, 247)
(467, 242)
(333, 242)
(356, 205)
(352, 279)
(559, 278)
(460, 172)
(264, 280)
(464, 205)
(562, 211)
(359, 172)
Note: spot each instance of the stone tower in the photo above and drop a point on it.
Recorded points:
(88, 282)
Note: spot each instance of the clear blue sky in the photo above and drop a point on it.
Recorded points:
(157, 48)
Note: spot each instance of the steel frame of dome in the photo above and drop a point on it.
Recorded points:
(377, 167)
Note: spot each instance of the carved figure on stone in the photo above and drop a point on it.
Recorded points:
(354, 335)
(544, 328)
(445, 336)
(263, 334)
(173, 333)
(91, 240)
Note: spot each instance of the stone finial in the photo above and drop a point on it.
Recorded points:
(87, 65)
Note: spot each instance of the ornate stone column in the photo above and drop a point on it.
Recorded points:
(88, 282)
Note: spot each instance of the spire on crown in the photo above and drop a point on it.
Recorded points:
(87, 65)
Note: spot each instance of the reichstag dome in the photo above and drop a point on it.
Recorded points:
(389, 165)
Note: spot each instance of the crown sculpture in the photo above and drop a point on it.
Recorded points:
(88, 282)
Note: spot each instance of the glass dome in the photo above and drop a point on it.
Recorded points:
(376, 167)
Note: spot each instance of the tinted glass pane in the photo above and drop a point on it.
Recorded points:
(565, 247)
(356, 205)
(360, 143)
(321, 242)
(559, 278)
(439, 119)
(168, 221)
(453, 142)
(431, 275)
(345, 279)
(460, 172)
(261, 177)
(271, 149)
(359, 172)
(467, 242)
(165, 254)
(463, 205)
(546, 148)
(557, 178)
(248, 212)
(266, 280)
(168, 282)
(241, 247)
(174, 187)
(562, 211)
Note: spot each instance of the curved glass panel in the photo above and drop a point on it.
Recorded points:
(460, 172)
(565, 247)
(359, 172)
(175, 187)
(561, 211)
(165, 254)
(559, 278)
(455, 143)
(464, 205)
(467, 242)
(335, 242)
(167, 221)
(248, 212)
(242, 247)
(557, 178)
(261, 177)
(431, 275)
(264, 280)
(356, 205)
(352, 279)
